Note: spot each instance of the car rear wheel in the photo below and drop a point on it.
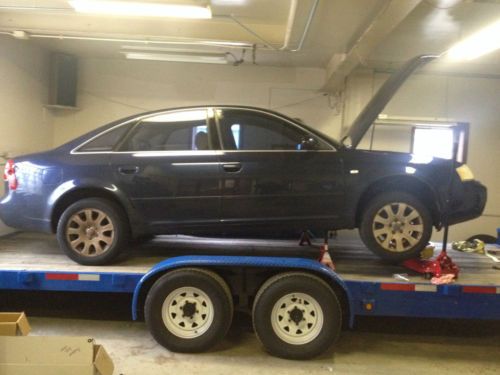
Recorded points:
(396, 226)
(92, 231)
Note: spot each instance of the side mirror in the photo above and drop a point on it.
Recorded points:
(308, 143)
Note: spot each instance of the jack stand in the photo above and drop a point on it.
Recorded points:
(324, 254)
(305, 237)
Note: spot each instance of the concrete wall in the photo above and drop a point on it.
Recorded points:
(25, 126)
(465, 99)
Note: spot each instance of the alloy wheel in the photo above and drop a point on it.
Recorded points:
(397, 227)
(90, 232)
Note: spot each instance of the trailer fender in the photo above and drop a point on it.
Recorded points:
(208, 261)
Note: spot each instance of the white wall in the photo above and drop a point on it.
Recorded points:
(111, 89)
(25, 126)
(465, 99)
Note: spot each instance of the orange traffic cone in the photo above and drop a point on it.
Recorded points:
(325, 258)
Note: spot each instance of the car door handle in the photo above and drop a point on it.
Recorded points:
(232, 167)
(128, 169)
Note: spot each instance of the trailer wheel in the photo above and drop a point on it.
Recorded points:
(189, 310)
(296, 315)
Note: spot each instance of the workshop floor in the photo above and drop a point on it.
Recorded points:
(377, 346)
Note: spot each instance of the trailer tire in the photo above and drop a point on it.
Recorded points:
(296, 315)
(204, 300)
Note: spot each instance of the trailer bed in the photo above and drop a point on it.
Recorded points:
(40, 252)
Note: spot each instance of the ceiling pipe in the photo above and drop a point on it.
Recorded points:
(310, 18)
(290, 22)
(289, 27)
(284, 47)
(62, 36)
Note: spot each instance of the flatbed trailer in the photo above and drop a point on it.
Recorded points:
(250, 273)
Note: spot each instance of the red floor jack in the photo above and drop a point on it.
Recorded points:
(443, 265)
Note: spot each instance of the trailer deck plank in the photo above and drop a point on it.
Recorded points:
(40, 252)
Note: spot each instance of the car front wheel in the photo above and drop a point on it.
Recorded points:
(92, 231)
(396, 226)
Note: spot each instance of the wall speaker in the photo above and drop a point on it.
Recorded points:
(63, 79)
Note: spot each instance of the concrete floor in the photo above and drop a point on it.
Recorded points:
(377, 346)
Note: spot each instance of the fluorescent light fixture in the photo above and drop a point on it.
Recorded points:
(484, 41)
(206, 59)
(140, 9)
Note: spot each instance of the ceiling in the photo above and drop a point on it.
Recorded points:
(430, 26)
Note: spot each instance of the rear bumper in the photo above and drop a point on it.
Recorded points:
(470, 204)
(13, 212)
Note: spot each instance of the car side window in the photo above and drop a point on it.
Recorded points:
(172, 131)
(246, 130)
(106, 141)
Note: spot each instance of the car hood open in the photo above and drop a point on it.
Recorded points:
(378, 102)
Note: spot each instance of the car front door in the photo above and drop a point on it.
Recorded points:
(168, 167)
(276, 174)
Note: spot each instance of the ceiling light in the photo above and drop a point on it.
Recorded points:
(484, 41)
(206, 59)
(127, 8)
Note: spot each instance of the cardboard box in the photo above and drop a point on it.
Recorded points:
(50, 355)
(14, 324)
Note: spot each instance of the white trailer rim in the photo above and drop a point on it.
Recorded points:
(187, 312)
(297, 318)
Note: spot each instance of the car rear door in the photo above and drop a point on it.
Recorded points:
(271, 179)
(168, 167)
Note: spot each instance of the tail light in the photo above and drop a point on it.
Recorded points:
(9, 174)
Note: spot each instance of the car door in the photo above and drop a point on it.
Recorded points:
(276, 173)
(168, 167)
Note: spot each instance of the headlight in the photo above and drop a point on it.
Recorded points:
(465, 173)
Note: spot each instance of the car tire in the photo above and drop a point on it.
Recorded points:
(204, 300)
(486, 238)
(93, 231)
(296, 316)
(396, 226)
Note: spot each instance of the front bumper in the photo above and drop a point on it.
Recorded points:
(469, 204)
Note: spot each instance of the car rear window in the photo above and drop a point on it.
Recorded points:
(173, 131)
(106, 141)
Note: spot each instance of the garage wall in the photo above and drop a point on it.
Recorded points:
(465, 99)
(25, 126)
(109, 89)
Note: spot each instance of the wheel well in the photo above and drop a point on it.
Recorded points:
(245, 288)
(75, 195)
(401, 183)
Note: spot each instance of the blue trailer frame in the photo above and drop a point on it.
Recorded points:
(363, 297)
